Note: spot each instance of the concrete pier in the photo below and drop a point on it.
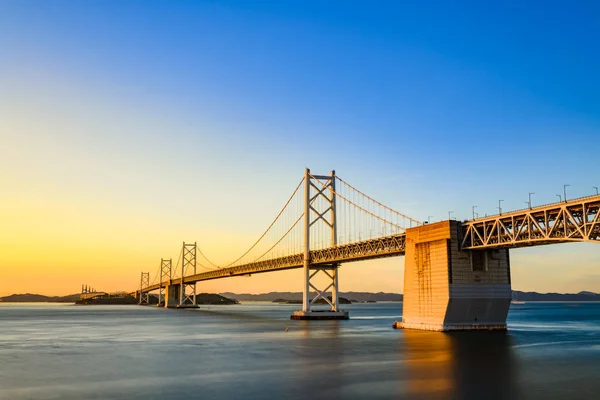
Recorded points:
(446, 289)
(172, 295)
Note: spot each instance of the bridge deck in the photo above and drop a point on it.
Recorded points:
(387, 246)
(577, 220)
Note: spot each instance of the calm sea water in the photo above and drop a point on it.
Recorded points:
(552, 351)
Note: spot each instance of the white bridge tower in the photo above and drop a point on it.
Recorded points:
(319, 187)
(187, 294)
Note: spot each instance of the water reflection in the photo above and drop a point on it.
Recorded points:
(461, 365)
(245, 352)
(318, 374)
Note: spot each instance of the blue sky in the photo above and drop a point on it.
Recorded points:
(144, 109)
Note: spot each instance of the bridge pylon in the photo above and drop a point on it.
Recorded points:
(165, 280)
(187, 291)
(319, 187)
(144, 283)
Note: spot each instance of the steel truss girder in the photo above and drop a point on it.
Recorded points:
(387, 246)
(573, 221)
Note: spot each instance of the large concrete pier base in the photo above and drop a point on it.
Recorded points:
(172, 296)
(446, 289)
(319, 315)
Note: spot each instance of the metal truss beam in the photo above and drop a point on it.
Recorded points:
(573, 221)
(387, 246)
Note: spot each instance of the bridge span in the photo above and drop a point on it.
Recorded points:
(388, 246)
(456, 276)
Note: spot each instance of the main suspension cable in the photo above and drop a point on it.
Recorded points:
(270, 226)
(361, 208)
(280, 239)
(378, 203)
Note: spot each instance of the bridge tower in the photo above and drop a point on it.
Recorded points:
(314, 189)
(187, 291)
(165, 281)
(144, 283)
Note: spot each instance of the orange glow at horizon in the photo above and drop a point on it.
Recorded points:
(95, 191)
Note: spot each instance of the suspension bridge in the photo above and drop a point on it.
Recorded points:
(457, 274)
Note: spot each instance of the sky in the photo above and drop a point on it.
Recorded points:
(127, 127)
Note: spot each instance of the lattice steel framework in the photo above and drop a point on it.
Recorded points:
(165, 277)
(319, 187)
(144, 284)
(188, 264)
(573, 221)
(326, 210)
(388, 246)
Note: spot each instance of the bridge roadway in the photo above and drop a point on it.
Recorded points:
(386, 246)
(576, 220)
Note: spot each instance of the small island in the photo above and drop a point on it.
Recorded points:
(102, 298)
(341, 300)
(201, 299)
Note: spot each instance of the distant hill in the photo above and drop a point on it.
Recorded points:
(206, 298)
(201, 298)
(38, 298)
(341, 300)
(109, 300)
(535, 296)
(297, 296)
(381, 296)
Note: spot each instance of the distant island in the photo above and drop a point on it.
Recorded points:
(280, 297)
(201, 298)
(367, 297)
(341, 300)
(123, 299)
(535, 296)
(38, 298)
(294, 297)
